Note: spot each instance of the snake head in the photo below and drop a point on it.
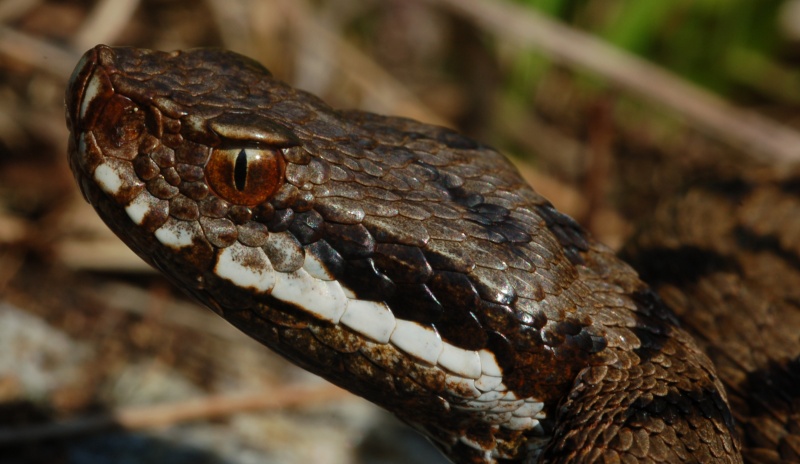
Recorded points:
(402, 261)
(159, 148)
(303, 228)
(112, 108)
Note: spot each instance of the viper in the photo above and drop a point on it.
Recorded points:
(401, 261)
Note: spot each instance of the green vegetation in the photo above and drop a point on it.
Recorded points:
(733, 47)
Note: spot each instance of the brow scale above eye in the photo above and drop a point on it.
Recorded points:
(252, 128)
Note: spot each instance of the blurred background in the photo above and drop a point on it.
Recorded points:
(607, 106)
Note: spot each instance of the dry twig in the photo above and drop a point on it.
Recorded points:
(143, 417)
(37, 52)
(761, 137)
(104, 23)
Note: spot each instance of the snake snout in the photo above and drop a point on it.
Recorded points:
(82, 84)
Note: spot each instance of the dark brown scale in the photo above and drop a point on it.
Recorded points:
(493, 286)
(160, 188)
(443, 229)
(307, 227)
(449, 256)
(173, 140)
(190, 173)
(184, 208)
(220, 232)
(339, 174)
(333, 261)
(413, 211)
(454, 290)
(145, 168)
(402, 263)
(197, 191)
(285, 197)
(462, 329)
(150, 143)
(434, 226)
(523, 286)
(298, 155)
(240, 214)
(165, 158)
(171, 175)
(193, 154)
(364, 278)
(298, 174)
(214, 207)
(353, 241)
(280, 220)
(416, 302)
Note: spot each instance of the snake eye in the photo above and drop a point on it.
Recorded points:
(245, 176)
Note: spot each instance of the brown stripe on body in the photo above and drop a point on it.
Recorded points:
(726, 259)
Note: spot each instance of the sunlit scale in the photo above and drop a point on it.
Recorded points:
(316, 268)
(489, 364)
(371, 319)
(529, 409)
(178, 234)
(417, 340)
(138, 208)
(93, 88)
(324, 299)
(455, 359)
(487, 382)
(522, 423)
(258, 274)
(465, 387)
(108, 178)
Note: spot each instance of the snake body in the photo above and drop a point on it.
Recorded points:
(726, 258)
(401, 261)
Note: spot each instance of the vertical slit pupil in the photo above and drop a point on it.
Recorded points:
(240, 170)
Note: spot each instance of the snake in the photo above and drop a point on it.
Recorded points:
(404, 262)
(725, 257)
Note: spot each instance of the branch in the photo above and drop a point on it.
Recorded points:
(161, 415)
(761, 137)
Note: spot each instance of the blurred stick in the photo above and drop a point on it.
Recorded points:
(142, 417)
(13, 9)
(761, 137)
(105, 22)
(322, 50)
(37, 53)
